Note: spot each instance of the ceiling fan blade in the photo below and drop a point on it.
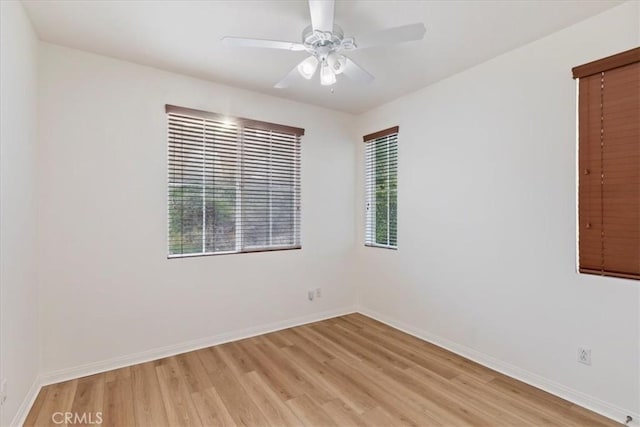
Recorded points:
(270, 44)
(394, 35)
(357, 73)
(321, 14)
(291, 77)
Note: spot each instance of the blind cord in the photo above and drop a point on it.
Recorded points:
(602, 173)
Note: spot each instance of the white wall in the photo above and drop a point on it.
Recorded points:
(486, 258)
(108, 289)
(18, 282)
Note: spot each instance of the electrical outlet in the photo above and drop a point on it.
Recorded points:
(3, 391)
(319, 292)
(311, 294)
(584, 355)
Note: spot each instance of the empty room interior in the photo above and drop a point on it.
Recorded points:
(320, 213)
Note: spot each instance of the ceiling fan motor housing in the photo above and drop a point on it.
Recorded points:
(322, 43)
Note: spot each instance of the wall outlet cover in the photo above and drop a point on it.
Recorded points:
(584, 355)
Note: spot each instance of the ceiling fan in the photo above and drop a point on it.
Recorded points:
(325, 41)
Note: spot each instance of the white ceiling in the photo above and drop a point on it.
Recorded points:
(184, 36)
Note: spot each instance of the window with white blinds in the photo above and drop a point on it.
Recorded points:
(233, 184)
(381, 187)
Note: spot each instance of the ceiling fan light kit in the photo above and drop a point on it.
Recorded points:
(337, 62)
(325, 41)
(308, 67)
(327, 76)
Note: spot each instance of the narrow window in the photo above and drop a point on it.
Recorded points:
(609, 165)
(381, 188)
(233, 184)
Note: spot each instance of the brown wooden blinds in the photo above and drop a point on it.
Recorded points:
(609, 175)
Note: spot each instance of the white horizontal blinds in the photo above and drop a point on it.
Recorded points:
(233, 186)
(381, 181)
(203, 157)
(270, 189)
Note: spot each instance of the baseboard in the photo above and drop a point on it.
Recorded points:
(592, 403)
(27, 403)
(172, 350)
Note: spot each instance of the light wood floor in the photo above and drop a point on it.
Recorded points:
(345, 371)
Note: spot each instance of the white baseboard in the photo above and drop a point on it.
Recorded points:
(574, 396)
(172, 350)
(27, 403)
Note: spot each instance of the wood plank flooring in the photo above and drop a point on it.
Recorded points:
(346, 371)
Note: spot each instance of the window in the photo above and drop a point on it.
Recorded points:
(381, 186)
(234, 185)
(609, 165)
